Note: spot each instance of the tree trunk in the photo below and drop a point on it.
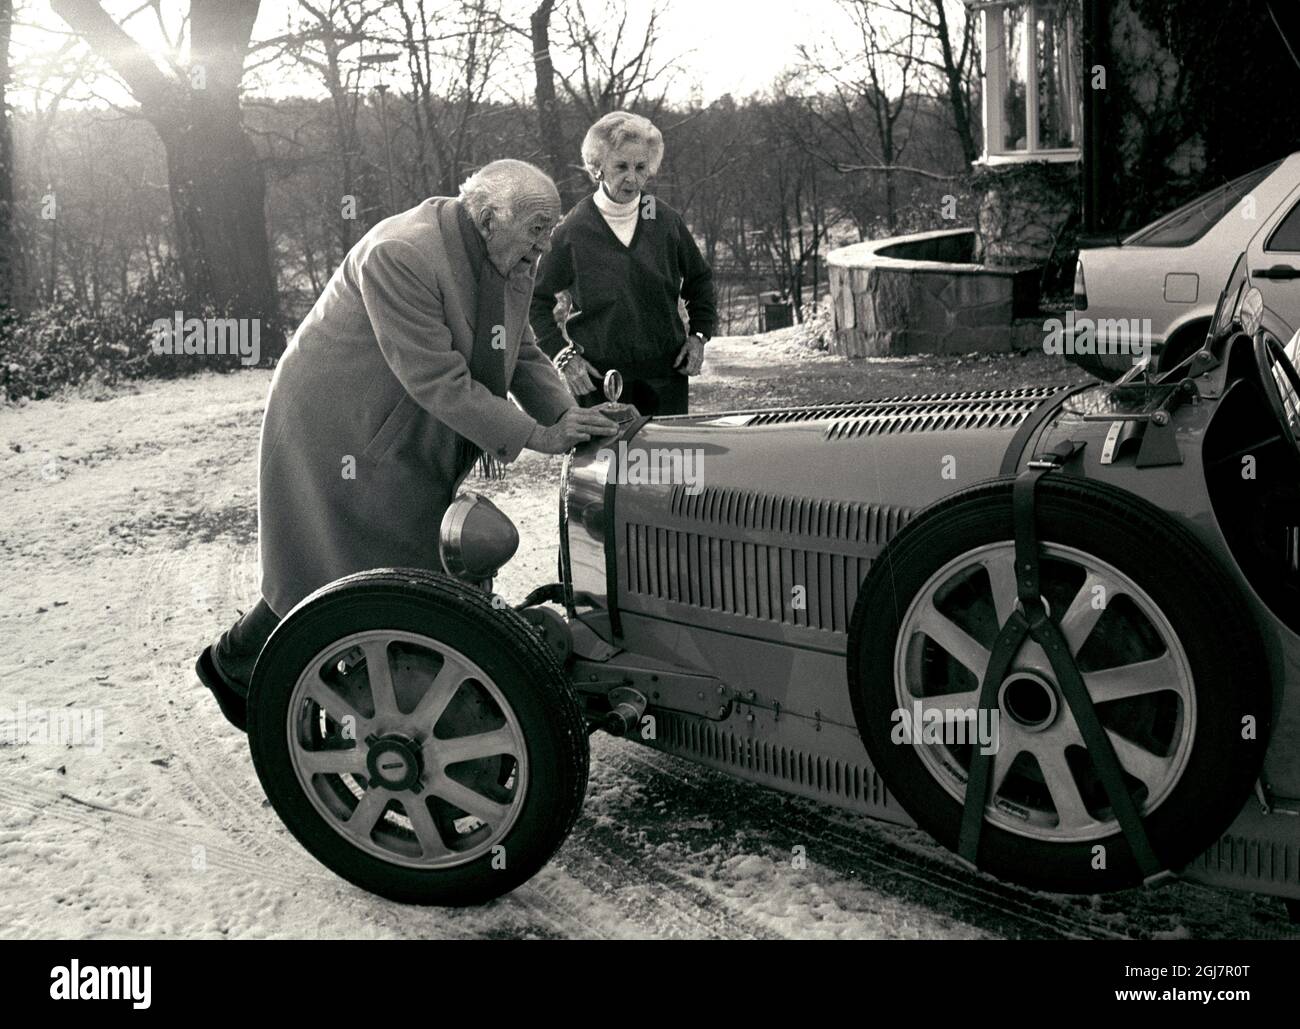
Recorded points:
(216, 184)
(550, 129)
(8, 237)
(218, 194)
(958, 95)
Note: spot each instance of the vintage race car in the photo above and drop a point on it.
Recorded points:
(1056, 628)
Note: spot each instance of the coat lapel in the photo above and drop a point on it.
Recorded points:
(519, 288)
(519, 295)
(458, 262)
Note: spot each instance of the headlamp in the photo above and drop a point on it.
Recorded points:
(475, 539)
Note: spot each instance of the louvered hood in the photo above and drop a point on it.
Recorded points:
(723, 519)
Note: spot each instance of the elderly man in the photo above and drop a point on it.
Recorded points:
(391, 389)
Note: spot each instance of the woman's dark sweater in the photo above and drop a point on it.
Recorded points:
(625, 296)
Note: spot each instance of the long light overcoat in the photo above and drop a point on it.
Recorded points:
(359, 455)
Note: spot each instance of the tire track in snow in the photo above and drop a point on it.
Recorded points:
(178, 843)
(1009, 906)
(662, 901)
(65, 807)
(227, 799)
(206, 782)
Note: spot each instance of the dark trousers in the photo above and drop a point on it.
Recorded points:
(236, 651)
(670, 395)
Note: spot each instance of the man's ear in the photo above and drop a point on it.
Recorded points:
(487, 222)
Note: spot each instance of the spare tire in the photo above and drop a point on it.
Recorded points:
(1171, 662)
(417, 740)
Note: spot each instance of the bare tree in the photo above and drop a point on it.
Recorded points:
(612, 63)
(789, 207)
(9, 260)
(550, 127)
(331, 45)
(951, 54)
(706, 151)
(450, 56)
(216, 184)
(870, 92)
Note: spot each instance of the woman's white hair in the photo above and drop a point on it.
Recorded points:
(615, 129)
(499, 186)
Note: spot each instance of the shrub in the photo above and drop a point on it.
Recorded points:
(62, 344)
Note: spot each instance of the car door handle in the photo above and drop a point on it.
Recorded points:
(1278, 271)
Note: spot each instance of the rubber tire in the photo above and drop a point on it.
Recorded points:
(1205, 609)
(500, 642)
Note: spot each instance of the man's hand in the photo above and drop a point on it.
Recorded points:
(576, 371)
(576, 425)
(692, 353)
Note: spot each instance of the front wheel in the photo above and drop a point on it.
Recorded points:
(419, 742)
(1168, 657)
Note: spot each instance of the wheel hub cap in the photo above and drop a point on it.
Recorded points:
(394, 762)
(1029, 700)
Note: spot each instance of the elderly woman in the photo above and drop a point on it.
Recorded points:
(625, 257)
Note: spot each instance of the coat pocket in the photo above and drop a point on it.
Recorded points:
(398, 419)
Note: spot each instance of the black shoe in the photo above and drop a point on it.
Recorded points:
(233, 704)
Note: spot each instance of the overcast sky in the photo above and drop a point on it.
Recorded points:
(725, 46)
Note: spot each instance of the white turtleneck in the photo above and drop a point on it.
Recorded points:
(619, 217)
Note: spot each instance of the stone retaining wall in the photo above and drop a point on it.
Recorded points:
(920, 295)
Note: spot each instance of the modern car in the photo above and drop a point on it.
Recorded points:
(1057, 628)
(1161, 282)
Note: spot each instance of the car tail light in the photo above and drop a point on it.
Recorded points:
(1080, 287)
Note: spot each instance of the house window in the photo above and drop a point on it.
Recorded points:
(1033, 108)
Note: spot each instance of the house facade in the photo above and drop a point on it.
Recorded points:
(1099, 115)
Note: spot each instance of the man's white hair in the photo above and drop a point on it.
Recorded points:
(615, 129)
(498, 186)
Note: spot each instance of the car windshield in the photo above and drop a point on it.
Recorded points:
(1193, 220)
(1290, 401)
(1227, 308)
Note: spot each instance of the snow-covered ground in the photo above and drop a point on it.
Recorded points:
(127, 533)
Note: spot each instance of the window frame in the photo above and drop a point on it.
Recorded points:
(1292, 211)
(1260, 175)
(995, 85)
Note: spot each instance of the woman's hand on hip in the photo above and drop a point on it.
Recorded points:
(576, 371)
(692, 354)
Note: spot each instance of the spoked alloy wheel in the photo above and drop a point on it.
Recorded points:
(1133, 665)
(1160, 635)
(417, 741)
(407, 748)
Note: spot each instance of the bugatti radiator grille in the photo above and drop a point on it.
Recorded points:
(754, 580)
(1243, 857)
(738, 568)
(940, 403)
(802, 516)
(975, 414)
